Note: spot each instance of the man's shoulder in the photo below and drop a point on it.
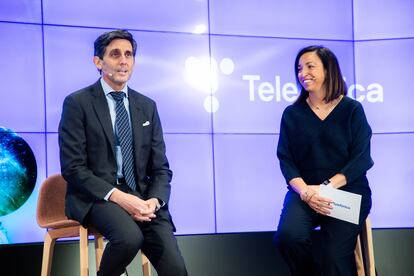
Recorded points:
(85, 91)
(139, 97)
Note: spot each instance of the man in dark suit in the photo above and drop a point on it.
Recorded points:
(112, 155)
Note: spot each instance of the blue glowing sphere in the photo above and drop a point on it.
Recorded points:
(18, 171)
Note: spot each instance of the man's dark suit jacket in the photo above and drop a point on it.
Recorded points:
(87, 149)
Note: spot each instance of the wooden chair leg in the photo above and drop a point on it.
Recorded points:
(359, 259)
(368, 247)
(48, 247)
(98, 250)
(83, 244)
(146, 265)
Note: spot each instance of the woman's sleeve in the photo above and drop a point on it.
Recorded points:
(284, 153)
(360, 160)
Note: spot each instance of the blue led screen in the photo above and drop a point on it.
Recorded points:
(22, 92)
(382, 19)
(160, 73)
(383, 77)
(221, 73)
(318, 19)
(389, 179)
(29, 11)
(174, 16)
(252, 96)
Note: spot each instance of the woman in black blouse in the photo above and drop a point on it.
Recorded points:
(324, 139)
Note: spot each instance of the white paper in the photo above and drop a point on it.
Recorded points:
(346, 205)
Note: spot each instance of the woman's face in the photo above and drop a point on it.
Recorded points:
(311, 73)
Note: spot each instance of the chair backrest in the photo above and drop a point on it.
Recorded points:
(51, 201)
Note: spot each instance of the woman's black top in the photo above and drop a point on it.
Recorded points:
(316, 149)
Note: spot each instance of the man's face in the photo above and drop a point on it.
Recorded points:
(117, 63)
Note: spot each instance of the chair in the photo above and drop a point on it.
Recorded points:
(50, 214)
(365, 259)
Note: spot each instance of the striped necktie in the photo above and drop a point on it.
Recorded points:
(124, 135)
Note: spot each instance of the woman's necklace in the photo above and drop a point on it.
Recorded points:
(313, 105)
(328, 105)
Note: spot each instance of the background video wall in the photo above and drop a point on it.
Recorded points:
(221, 72)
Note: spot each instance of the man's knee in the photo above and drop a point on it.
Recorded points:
(129, 240)
(175, 267)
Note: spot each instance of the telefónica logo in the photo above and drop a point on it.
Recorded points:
(203, 74)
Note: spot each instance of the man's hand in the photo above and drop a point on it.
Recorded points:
(140, 210)
(152, 204)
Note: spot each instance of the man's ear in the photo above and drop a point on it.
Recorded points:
(98, 62)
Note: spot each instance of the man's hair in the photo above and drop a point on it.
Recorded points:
(105, 39)
(334, 82)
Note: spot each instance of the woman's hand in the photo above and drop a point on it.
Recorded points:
(321, 205)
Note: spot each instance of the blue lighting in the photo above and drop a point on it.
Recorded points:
(18, 171)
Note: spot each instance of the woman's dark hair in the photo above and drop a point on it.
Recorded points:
(334, 82)
(106, 38)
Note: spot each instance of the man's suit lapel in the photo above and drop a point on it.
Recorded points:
(137, 116)
(100, 105)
